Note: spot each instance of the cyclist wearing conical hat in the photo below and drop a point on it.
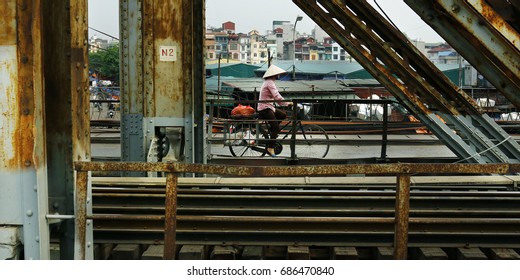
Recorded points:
(267, 110)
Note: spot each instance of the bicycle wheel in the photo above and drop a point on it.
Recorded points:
(249, 146)
(312, 142)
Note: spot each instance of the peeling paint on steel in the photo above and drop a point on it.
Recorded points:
(315, 170)
(8, 23)
(488, 39)
(402, 214)
(80, 81)
(28, 57)
(170, 216)
(8, 106)
(169, 76)
(81, 215)
(21, 86)
(496, 21)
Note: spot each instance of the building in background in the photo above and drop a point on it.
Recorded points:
(96, 44)
(253, 48)
(228, 27)
(245, 48)
(319, 34)
(258, 47)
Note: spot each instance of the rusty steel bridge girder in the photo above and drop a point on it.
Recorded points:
(419, 86)
(371, 63)
(481, 36)
(162, 77)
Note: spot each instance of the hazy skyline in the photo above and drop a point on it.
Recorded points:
(255, 14)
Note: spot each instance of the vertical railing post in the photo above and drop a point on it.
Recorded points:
(293, 135)
(384, 140)
(170, 217)
(81, 215)
(402, 211)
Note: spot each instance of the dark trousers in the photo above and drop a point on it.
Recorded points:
(273, 119)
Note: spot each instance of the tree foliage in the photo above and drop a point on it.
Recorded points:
(105, 63)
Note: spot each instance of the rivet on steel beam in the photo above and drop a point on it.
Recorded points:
(89, 244)
(78, 65)
(29, 213)
(26, 112)
(37, 239)
(27, 163)
(455, 8)
(88, 223)
(77, 18)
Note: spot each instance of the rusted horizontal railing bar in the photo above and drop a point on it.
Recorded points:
(121, 217)
(394, 168)
(244, 219)
(263, 219)
(164, 167)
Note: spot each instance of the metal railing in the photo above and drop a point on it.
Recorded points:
(309, 111)
(402, 171)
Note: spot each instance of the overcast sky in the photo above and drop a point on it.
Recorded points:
(259, 14)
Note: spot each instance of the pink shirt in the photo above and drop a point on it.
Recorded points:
(268, 91)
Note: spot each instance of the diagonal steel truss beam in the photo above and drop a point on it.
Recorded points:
(481, 36)
(392, 59)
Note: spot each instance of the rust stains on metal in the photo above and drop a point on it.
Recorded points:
(402, 211)
(170, 216)
(456, 168)
(121, 166)
(81, 215)
(118, 217)
(497, 21)
(8, 109)
(286, 171)
(28, 60)
(8, 23)
(331, 170)
(21, 85)
(170, 73)
(168, 19)
(218, 169)
(78, 67)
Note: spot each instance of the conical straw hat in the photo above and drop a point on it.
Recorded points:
(273, 71)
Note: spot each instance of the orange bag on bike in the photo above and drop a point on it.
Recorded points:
(243, 111)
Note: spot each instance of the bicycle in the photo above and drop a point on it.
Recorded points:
(249, 137)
